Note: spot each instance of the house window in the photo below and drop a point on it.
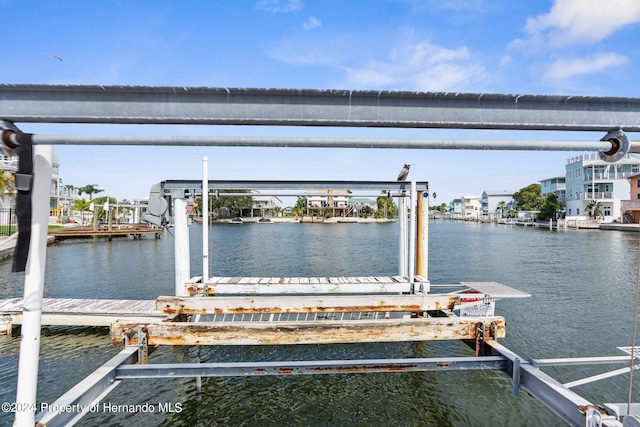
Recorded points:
(635, 168)
(568, 175)
(577, 173)
(606, 210)
(569, 211)
(577, 211)
(637, 183)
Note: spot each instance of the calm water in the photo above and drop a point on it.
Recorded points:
(582, 286)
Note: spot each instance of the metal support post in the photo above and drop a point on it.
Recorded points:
(33, 290)
(182, 260)
(402, 244)
(422, 239)
(412, 235)
(205, 219)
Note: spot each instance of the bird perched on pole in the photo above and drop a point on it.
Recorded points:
(404, 172)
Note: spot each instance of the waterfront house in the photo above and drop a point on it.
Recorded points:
(455, 208)
(61, 196)
(555, 185)
(491, 203)
(336, 202)
(590, 179)
(471, 207)
(358, 203)
(264, 206)
(630, 209)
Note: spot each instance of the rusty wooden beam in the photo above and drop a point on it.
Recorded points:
(320, 332)
(306, 304)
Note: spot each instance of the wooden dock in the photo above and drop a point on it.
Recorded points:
(121, 231)
(280, 310)
(81, 312)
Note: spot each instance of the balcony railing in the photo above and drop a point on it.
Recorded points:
(630, 204)
(608, 175)
(597, 195)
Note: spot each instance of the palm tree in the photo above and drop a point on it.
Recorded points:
(90, 189)
(502, 206)
(81, 205)
(594, 210)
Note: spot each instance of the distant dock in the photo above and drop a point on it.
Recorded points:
(134, 231)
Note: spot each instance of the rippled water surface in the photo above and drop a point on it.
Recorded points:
(582, 286)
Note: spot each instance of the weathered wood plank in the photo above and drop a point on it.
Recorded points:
(84, 306)
(297, 288)
(321, 332)
(306, 304)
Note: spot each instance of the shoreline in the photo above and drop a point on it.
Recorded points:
(300, 220)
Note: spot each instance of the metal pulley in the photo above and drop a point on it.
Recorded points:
(619, 146)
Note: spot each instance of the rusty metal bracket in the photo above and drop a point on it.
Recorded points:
(143, 348)
(479, 338)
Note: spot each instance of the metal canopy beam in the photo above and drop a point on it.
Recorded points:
(180, 370)
(186, 184)
(297, 107)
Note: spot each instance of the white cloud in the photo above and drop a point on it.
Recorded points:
(568, 67)
(422, 66)
(582, 21)
(279, 5)
(311, 23)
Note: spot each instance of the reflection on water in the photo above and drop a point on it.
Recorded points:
(581, 283)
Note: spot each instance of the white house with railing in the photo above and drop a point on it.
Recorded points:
(491, 203)
(264, 206)
(61, 196)
(337, 202)
(588, 178)
(471, 207)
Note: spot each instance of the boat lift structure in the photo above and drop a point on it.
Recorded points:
(269, 310)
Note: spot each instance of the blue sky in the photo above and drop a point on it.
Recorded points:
(563, 47)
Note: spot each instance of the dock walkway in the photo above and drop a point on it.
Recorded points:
(81, 312)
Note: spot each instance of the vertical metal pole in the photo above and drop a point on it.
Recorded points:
(182, 259)
(33, 289)
(422, 251)
(412, 234)
(402, 244)
(205, 219)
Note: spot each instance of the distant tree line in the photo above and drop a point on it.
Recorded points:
(530, 198)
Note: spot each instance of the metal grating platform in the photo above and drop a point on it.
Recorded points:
(629, 350)
(494, 290)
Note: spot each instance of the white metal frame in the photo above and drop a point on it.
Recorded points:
(288, 107)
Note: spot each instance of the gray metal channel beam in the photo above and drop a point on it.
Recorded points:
(297, 107)
(567, 404)
(293, 185)
(307, 367)
(72, 405)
